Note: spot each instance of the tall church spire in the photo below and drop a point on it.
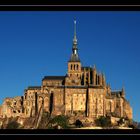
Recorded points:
(75, 39)
(74, 56)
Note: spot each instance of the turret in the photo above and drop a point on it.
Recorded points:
(94, 75)
(103, 80)
(74, 64)
(123, 93)
(108, 89)
(100, 79)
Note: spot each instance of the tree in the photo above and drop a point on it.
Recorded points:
(132, 124)
(103, 121)
(13, 125)
(59, 121)
(44, 120)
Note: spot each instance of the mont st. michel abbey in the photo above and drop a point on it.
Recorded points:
(81, 93)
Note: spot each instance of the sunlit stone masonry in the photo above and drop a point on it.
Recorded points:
(82, 92)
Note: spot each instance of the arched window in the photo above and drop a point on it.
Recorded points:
(74, 66)
(77, 66)
(71, 66)
(98, 80)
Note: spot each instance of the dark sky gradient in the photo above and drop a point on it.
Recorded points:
(35, 44)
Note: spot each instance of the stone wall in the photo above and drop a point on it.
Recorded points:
(12, 107)
(70, 99)
(114, 120)
(75, 100)
(57, 100)
(30, 102)
(96, 98)
(127, 110)
(52, 82)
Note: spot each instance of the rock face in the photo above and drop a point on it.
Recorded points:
(81, 92)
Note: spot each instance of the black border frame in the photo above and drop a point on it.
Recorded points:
(61, 5)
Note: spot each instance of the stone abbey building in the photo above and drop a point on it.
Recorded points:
(81, 92)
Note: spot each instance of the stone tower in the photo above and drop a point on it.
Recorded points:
(74, 64)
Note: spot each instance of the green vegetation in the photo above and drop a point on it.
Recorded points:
(133, 124)
(56, 122)
(13, 124)
(128, 123)
(103, 121)
(59, 122)
(44, 120)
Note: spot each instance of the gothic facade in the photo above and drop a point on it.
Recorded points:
(81, 92)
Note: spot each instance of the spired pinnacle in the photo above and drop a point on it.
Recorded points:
(74, 56)
(75, 38)
(123, 92)
(74, 20)
(123, 89)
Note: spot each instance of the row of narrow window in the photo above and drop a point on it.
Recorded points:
(29, 97)
(18, 111)
(74, 66)
(97, 82)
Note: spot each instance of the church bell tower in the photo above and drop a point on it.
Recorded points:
(74, 64)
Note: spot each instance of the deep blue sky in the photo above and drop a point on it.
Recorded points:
(35, 44)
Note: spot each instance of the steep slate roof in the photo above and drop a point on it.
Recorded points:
(54, 78)
(74, 58)
(86, 68)
(116, 93)
(34, 87)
